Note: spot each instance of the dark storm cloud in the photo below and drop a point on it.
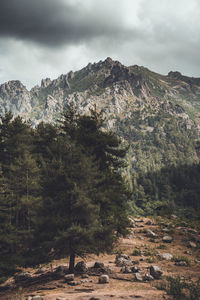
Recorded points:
(56, 22)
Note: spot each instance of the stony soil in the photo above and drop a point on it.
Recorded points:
(122, 286)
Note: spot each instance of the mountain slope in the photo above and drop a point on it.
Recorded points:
(157, 115)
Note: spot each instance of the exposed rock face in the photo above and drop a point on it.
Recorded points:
(132, 99)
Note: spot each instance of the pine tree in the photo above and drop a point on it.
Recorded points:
(68, 220)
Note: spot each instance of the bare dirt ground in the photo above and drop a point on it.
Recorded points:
(123, 286)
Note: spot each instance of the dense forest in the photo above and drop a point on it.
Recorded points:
(62, 192)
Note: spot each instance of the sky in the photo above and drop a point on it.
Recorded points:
(47, 38)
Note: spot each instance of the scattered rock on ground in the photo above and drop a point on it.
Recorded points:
(167, 239)
(156, 272)
(132, 222)
(181, 263)
(74, 283)
(98, 264)
(148, 277)
(138, 277)
(135, 269)
(69, 277)
(81, 267)
(123, 260)
(149, 222)
(151, 234)
(104, 279)
(126, 270)
(166, 256)
(192, 245)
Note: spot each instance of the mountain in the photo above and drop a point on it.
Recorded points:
(157, 115)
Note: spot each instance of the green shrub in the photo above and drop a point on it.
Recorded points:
(136, 252)
(180, 289)
(182, 258)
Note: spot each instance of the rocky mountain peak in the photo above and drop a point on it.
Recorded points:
(45, 82)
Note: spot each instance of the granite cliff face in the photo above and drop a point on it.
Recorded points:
(147, 109)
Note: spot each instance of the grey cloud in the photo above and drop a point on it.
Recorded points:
(57, 22)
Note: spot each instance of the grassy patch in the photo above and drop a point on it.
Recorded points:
(182, 258)
(178, 288)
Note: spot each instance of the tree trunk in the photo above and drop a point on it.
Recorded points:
(72, 262)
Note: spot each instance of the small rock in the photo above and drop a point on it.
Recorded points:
(192, 245)
(135, 269)
(81, 267)
(138, 277)
(37, 298)
(135, 262)
(138, 220)
(126, 270)
(141, 238)
(167, 239)
(104, 279)
(151, 234)
(62, 270)
(193, 231)
(60, 298)
(74, 283)
(148, 277)
(85, 276)
(98, 265)
(174, 217)
(86, 280)
(166, 256)
(149, 222)
(197, 261)
(156, 272)
(132, 222)
(181, 263)
(40, 271)
(69, 277)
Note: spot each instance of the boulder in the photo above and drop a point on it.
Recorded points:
(165, 256)
(123, 260)
(81, 267)
(104, 279)
(156, 272)
(167, 239)
(98, 265)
